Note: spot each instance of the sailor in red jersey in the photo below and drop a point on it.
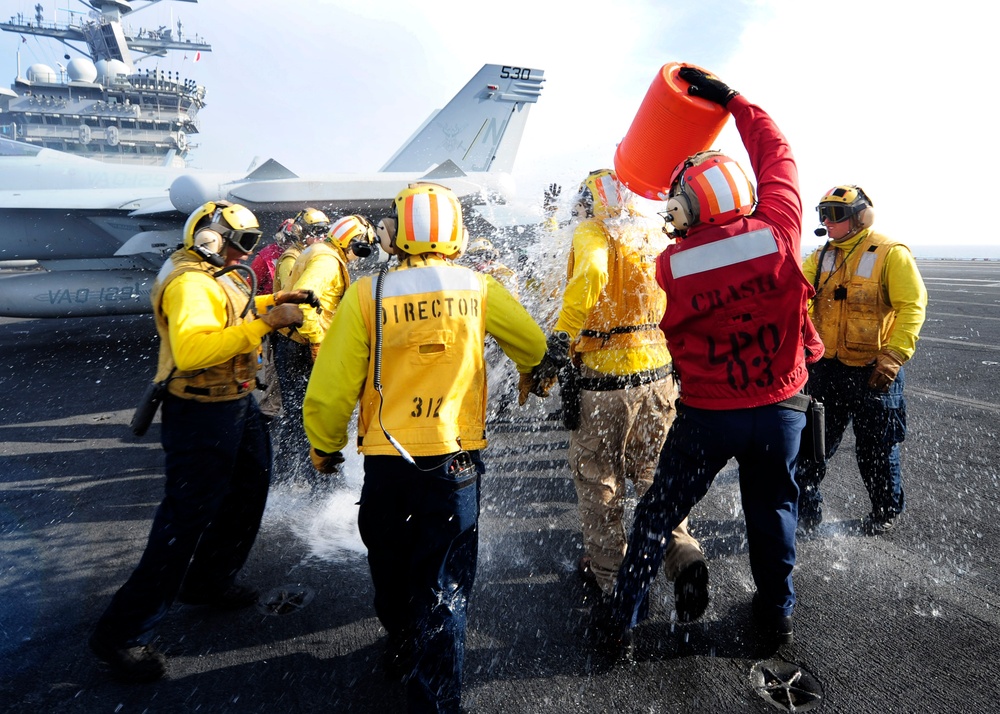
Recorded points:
(737, 327)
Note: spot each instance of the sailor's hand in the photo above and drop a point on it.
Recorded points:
(885, 368)
(326, 463)
(550, 200)
(528, 383)
(556, 357)
(283, 316)
(298, 297)
(541, 386)
(314, 350)
(707, 86)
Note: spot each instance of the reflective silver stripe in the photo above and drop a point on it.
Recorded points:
(829, 262)
(414, 281)
(728, 251)
(865, 265)
(720, 187)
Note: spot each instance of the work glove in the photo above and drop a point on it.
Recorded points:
(326, 463)
(545, 374)
(886, 367)
(524, 384)
(297, 297)
(707, 86)
(531, 383)
(314, 350)
(550, 201)
(282, 316)
(556, 357)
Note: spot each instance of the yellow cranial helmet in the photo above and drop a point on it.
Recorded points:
(313, 222)
(601, 194)
(351, 229)
(213, 224)
(429, 220)
(847, 202)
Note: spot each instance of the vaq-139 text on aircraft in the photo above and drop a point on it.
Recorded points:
(99, 232)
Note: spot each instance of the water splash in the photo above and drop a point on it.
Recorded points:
(322, 511)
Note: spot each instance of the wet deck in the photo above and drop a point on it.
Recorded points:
(908, 622)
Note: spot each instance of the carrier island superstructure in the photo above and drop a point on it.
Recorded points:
(100, 104)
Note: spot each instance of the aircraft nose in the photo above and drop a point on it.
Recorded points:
(188, 192)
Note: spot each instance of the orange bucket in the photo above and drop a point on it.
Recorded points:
(669, 126)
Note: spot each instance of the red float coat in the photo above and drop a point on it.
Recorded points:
(736, 322)
(263, 266)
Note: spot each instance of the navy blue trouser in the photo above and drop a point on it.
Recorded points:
(879, 420)
(218, 466)
(293, 362)
(765, 442)
(421, 528)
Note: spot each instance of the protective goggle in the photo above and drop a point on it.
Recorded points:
(317, 229)
(244, 240)
(361, 249)
(835, 213)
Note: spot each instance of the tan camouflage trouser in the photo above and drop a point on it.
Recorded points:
(620, 437)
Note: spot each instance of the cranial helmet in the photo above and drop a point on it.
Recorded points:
(313, 222)
(708, 187)
(353, 232)
(601, 194)
(428, 220)
(843, 202)
(216, 223)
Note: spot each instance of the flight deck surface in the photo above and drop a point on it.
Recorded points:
(905, 622)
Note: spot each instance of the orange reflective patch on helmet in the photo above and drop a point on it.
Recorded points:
(430, 220)
(349, 229)
(721, 188)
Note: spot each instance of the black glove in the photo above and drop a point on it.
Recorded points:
(556, 357)
(707, 86)
(326, 463)
(551, 198)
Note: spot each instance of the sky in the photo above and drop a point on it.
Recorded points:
(881, 94)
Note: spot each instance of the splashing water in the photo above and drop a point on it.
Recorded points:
(322, 511)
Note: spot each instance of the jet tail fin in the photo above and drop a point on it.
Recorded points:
(480, 128)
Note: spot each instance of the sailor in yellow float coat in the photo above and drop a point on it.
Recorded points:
(322, 268)
(218, 454)
(419, 505)
(869, 307)
(610, 314)
(898, 296)
(294, 352)
(340, 374)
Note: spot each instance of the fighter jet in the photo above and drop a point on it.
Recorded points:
(99, 232)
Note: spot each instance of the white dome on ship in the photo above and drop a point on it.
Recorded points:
(41, 73)
(109, 69)
(81, 69)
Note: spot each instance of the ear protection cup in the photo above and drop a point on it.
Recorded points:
(680, 212)
(866, 218)
(386, 232)
(208, 240)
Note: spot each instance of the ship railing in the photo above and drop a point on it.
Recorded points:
(109, 136)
